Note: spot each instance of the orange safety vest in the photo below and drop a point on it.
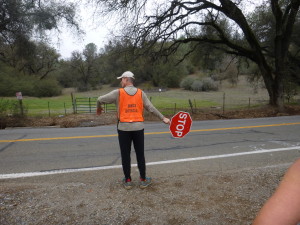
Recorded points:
(131, 107)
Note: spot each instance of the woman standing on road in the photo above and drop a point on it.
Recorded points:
(131, 102)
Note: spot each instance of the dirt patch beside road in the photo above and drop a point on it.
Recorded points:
(228, 197)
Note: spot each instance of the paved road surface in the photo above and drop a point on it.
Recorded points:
(212, 146)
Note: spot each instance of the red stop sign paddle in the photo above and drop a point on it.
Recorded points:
(180, 124)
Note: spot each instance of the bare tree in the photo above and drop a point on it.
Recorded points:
(224, 24)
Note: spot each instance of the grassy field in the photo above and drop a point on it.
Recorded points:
(240, 96)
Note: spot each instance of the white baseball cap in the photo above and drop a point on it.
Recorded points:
(126, 74)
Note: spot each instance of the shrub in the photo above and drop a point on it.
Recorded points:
(10, 84)
(197, 85)
(4, 107)
(28, 85)
(81, 87)
(10, 107)
(216, 77)
(194, 84)
(25, 85)
(187, 82)
(47, 88)
(209, 84)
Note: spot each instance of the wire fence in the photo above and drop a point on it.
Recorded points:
(88, 105)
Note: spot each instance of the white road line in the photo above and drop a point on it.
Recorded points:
(34, 174)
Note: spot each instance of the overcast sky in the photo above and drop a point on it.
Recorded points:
(69, 43)
(96, 31)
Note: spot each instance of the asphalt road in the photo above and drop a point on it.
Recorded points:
(211, 145)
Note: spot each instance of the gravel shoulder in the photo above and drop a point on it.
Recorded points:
(189, 197)
(226, 197)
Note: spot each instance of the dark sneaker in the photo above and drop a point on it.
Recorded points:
(145, 182)
(127, 183)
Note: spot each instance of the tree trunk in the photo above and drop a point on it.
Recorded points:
(279, 92)
(276, 96)
(275, 91)
(274, 86)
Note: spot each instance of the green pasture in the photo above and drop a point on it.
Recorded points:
(63, 104)
(41, 106)
(167, 102)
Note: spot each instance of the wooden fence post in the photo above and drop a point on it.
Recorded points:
(90, 105)
(65, 108)
(249, 104)
(21, 107)
(223, 102)
(73, 102)
(49, 108)
(191, 105)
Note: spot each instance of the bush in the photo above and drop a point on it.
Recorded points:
(194, 84)
(4, 107)
(216, 77)
(11, 107)
(83, 87)
(28, 85)
(10, 84)
(187, 82)
(209, 84)
(47, 88)
(171, 81)
(197, 85)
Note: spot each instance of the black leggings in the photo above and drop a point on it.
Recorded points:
(125, 140)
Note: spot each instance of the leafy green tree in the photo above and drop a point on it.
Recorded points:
(40, 60)
(264, 25)
(120, 55)
(22, 27)
(115, 58)
(90, 55)
(65, 74)
(21, 19)
(84, 67)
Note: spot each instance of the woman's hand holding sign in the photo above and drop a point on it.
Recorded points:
(99, 110)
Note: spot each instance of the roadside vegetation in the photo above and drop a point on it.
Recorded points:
(168, 101)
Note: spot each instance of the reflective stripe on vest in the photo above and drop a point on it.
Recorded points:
(131, 106)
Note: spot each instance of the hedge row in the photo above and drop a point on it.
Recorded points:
(29, 86)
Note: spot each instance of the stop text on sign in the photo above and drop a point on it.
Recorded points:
(180, 124)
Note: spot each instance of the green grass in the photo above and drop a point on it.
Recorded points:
(236, 97)
(57, 105)
(164, 101)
